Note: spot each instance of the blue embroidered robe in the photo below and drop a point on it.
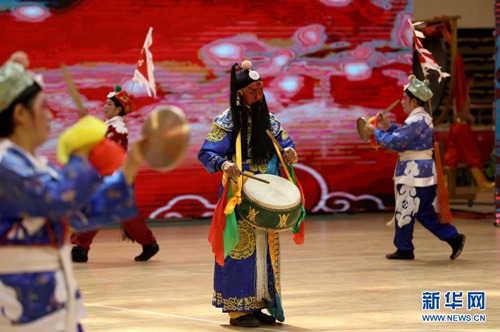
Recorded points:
(234, 284)
(416, 134)
(415, 178)
(37, 204)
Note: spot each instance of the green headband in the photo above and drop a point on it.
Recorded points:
(13, 81)
(419, 89)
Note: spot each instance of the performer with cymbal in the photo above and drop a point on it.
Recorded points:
(242, 285)
(416, 174)
(117, 106)
(37, 288)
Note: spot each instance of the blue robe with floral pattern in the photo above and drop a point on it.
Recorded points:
(234, 283)
(37, 204)
(415, 178)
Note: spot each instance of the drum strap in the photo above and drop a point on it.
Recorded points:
(236, 199)
(283, 162)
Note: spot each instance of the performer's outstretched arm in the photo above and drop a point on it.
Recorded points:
(398, 139)
(111, 203)
(392, 128)
(78, 193)
(39, 195)
(215, 148)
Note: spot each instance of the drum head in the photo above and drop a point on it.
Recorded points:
(360, 124)
(167, 132)
(279, 194)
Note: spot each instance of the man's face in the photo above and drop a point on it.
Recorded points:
(407, 103)
(253, 93)
(110, 109)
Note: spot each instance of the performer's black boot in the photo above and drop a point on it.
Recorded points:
(263, 318)
(148, 251)
(245, 321)
(401, 254)
(457, 243)
(79, 254)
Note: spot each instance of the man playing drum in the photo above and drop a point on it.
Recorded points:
(236, 283)
(416, 175)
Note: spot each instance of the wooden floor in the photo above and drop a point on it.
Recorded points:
(339, 280)
(484, 204)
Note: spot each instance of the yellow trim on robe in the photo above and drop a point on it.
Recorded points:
(234, 315)
(246, 246)
(216, 134)
(239, 304)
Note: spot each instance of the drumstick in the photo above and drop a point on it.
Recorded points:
(255, 178)
(391, 107)
(274, 140)
(73, 90)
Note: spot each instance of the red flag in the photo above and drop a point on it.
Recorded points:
(216, 235)
(299, 237)
(426, 59)
(145, 67)
(445, 215)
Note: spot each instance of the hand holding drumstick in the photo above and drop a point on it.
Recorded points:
(232, 170)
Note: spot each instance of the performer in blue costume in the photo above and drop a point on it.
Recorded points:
(415, 176)
(37, 204)
(235, 283)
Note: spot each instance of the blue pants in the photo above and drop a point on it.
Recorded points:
(418, 202)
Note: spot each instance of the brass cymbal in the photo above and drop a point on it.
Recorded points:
(360, 124)
(167, 133)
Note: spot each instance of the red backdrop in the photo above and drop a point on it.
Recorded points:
(324, 64)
